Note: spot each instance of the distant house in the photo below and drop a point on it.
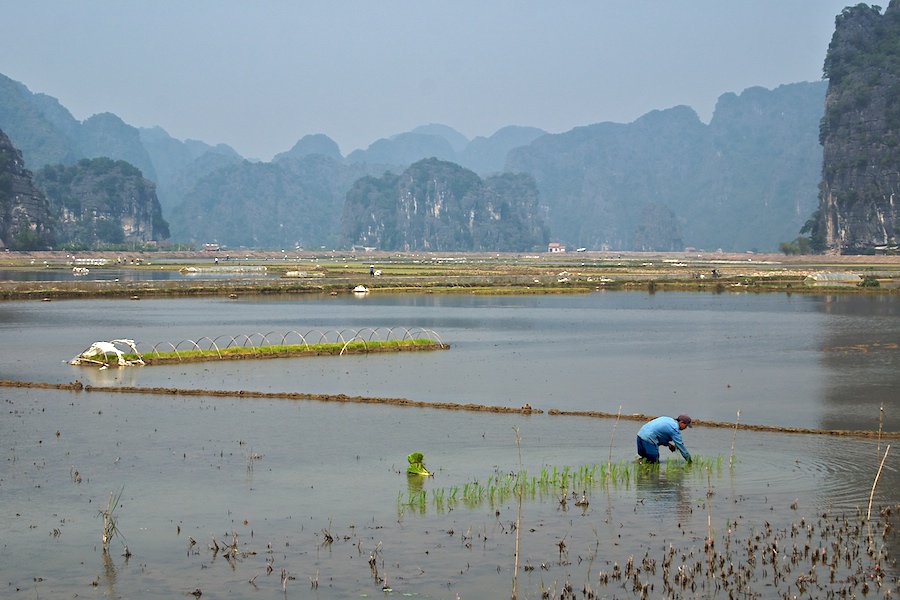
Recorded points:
(555, 247)
(210, 247)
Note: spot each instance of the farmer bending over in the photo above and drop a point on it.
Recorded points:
(662, 431)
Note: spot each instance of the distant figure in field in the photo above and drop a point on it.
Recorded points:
(662, 431)
(372, 271)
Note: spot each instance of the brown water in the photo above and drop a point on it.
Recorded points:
(198, 468)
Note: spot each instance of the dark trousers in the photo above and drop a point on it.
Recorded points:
(647, 450)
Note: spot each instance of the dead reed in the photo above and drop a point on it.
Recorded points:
(733, 438)
(520, 489)
(110, 526)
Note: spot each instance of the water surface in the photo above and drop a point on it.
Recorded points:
(199, 467)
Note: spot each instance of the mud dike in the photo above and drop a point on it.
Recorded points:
(527, 409)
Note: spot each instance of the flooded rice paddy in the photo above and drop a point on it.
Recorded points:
(226, 496)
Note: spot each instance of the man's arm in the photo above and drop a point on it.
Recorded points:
(679, 443)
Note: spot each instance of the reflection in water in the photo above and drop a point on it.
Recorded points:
(415, 484)
(109, 575)
(663, 492)
(861, 353)
(416, 495)
(111, 377)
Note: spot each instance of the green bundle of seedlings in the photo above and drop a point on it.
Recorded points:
(286, 350)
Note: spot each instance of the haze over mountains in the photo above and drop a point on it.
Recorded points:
(748, 180)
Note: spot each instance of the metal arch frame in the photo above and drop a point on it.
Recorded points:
(302, 339)
(366, 335)
(356, 337)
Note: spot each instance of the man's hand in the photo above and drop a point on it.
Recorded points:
(671, 447)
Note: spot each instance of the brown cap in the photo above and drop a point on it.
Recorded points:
(684, 419)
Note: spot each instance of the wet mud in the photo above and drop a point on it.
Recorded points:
(342, 398)
(741, 426)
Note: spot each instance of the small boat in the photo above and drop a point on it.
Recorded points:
(360, 289)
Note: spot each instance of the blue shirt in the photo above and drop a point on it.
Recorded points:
(664, 430)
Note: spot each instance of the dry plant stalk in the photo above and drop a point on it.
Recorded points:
(709, 493)
(872, 494)
(874, 483)
(880, 421)
(611, 438)
(733, 438)
(515, 581)
(110, 530)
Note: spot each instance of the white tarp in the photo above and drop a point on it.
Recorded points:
(99, 354)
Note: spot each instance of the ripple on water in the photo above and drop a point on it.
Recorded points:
(830, 472)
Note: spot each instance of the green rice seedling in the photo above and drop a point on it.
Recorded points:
(279, 350)
(626, 473)
(501, 486)
(565, 476)
(478, 491)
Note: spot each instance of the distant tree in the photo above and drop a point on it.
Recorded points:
(813, 226)
(27, 240)
(800, 245)
(109, 232)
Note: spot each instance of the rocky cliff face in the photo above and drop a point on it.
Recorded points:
(859, 205)
(439, 206)
(25, 222)
(102, 201)
(746, 181)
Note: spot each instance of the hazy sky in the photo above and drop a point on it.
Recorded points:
(259, 75)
